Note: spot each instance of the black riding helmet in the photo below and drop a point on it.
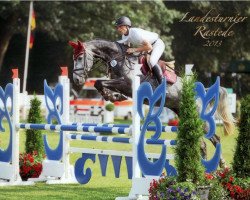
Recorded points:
(123, 21)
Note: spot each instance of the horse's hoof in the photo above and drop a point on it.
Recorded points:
(119, 97)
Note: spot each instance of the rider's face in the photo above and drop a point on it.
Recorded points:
(122, 30)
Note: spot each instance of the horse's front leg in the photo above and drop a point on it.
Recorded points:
(112, 96)
(111, 89)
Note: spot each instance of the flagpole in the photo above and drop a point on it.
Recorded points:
(26, 64)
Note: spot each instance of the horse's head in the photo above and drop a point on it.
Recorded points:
(83, 61)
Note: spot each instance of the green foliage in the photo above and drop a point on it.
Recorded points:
(241, 161)
(14, 10)
(64, 21)
(88, 20)
(190, 131)
(242, 182)
(188, 185)
(217, 191)
(34, 142)
(234, 187)
(110, 107)
(30, 165)
(167, 188)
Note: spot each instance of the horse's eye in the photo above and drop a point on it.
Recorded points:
(79, 58)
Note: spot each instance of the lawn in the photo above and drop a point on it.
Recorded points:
(99, 187)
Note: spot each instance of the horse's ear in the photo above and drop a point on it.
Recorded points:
(73, 44)
(80, 44)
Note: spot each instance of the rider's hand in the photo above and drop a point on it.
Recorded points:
(131, 50)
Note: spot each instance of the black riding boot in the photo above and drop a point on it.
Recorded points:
(157, 73)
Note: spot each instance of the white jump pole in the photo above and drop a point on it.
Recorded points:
(135, 131)
(60, 171)
(66, 172)
(10, 171)
(137, 180)
(68, 176)
(15, 136)
(188, 69)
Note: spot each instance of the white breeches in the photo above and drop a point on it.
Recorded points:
(158, 49)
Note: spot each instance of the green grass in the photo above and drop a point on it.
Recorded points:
(73, 191)
(99, 187)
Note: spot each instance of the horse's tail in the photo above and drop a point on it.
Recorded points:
(223, 112)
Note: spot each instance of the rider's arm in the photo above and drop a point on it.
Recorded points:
(146, 46)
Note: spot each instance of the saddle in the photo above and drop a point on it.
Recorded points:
(166, 67)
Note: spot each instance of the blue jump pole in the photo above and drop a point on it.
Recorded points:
(149, 128)
(115, 129)
(118, 139)
(53, 127)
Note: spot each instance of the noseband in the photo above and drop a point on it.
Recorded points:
(84, 68)
(84, 63)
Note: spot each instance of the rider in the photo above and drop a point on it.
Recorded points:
(143, 41)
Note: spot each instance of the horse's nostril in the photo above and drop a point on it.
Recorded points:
(77, 81)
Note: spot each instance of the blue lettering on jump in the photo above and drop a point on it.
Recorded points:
(157, 97)
(210, 100)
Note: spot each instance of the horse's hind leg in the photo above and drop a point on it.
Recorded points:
(203, 149)
(215, 140)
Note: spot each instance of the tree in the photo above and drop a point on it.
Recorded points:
(59, 22)
(14, 20)
(190, 131)
(188, 48)
(34, 141)
(82, 20)
(12, 16)
(241, 161)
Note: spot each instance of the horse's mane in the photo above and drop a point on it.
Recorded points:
(101, 39)
(101, 42)
(119, 45)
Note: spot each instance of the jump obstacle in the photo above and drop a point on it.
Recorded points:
(56, 167)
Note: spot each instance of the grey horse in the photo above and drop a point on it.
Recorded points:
(120, 67)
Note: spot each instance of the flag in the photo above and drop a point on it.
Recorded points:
(32, 28)
(29, 43)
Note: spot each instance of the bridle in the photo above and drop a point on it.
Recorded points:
(88, 54)
(79, 50)
(84, 68)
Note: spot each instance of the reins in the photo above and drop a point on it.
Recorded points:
(122, 58)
